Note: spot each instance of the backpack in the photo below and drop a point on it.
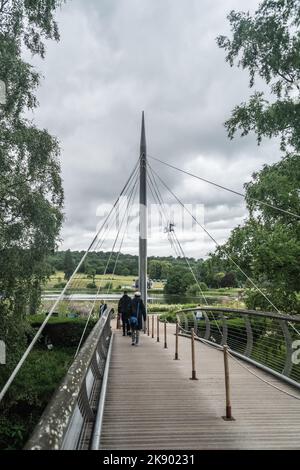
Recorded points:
(134, 320)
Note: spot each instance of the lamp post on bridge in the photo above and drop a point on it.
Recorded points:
(143, 216)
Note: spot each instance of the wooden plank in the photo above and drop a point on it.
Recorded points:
(152, 404)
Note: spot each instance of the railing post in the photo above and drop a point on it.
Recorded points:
(176, 341)
(148, 325)
(157, 327)
(165, 334)
(249, 332)
(193, 355)
(228, 416)
(118, 321)
(289, 350)
(152, 326)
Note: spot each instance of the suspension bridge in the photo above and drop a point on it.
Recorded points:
(219, 378)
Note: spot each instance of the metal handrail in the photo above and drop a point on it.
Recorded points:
(70, 412)
(95, 445)
(293, 318)
(264, 339)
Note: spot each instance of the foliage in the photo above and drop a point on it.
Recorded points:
(60, 285)
(91, 285)
(228, 280)
(37, 320)
(30, 393)
(108, 285)
(159, 269)
(69, 265)
(178, 281)
(196, 289)
(267, 247)
(127, 264)
(64, 331)
(267, 44)
(17, 332)
(162, 308)
(31, 194)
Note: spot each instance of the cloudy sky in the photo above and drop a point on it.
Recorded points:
(119, 57)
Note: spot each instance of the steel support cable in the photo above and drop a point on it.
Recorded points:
(175, 240)
(101, 239)
(228, 256)
(239, 362)
(162, 206)
(156, 200)
(172, 243)
(220, 348)
(191, 269)
(109, 224)
(170, 239)
(134, 176)
(105, 270)
(261, 378)
(152, 192)
(236, 340)
(124, 233)
(160, 199)
(99, 288)
(224, 187)
(40, 330)
(276, 363)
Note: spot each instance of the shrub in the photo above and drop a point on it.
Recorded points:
(60, 331)
(59, 285)
(30, 393)
(108, 285)
(195, 290)
(91, 285)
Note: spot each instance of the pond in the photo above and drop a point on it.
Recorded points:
(155, 298)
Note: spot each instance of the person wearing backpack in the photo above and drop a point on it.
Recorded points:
(124, 309)
(138, 313)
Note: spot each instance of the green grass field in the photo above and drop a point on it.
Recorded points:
(81, 280)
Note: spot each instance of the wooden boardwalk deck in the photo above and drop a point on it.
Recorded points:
(152, 404)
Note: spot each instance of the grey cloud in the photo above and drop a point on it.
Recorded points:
(117, 57)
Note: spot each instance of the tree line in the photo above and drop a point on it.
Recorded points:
(210, 272)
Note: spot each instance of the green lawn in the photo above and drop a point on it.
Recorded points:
(81, 280)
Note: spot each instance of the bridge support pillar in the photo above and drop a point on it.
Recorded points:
(143, 216)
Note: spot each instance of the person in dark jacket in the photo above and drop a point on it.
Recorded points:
(102, 308)
(137, 315)
(124, 309)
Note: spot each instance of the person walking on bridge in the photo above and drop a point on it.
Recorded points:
(124, 310)
(136, 320)
(102, 308)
